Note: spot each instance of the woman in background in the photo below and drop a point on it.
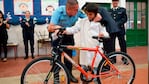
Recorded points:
(3, 35)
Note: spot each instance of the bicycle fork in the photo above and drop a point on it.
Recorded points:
(49, 75)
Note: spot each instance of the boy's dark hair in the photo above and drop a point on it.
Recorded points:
(115, 0)
(91, 7)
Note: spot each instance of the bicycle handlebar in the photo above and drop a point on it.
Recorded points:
(100, 39)
(60, 32)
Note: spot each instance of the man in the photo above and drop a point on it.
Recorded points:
(120, 17)
(66, 16)
(28, 25)
(111, 28)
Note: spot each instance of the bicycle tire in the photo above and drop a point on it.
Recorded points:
(127, 70)
(43, 68)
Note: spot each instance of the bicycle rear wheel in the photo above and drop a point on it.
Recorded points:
(44, 71)
(123, 63)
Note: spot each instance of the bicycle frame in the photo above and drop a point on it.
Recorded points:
(78, 67)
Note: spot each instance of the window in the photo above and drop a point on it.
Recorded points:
(130, 15)
(141, 15)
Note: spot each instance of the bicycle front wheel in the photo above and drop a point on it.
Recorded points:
(123, 74)
(44, 71)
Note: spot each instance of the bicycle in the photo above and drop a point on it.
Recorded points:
(50, 70)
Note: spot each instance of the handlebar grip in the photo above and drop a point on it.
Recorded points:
(100, 39)
(62, 29)
(60, 32)
(95, 37)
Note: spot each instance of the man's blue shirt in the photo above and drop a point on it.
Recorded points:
(60, 17)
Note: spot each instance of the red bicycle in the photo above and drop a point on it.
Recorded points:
(50, 70)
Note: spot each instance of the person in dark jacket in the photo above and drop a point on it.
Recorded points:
(28, 25)
(111, 28)
(120, 17)
(3, 35)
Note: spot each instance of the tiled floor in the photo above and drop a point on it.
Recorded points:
(11, 70)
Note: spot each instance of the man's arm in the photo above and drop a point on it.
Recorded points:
(54, 21)
(23, 25)
(108, 21)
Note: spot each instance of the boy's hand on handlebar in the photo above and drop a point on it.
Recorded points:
(101, 35)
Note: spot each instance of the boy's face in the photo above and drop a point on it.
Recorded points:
(90, 15)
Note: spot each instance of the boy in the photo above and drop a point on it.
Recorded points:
(88, 28)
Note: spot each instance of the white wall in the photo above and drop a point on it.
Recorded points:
(122, 3)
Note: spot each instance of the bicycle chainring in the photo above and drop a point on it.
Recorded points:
(88, 70)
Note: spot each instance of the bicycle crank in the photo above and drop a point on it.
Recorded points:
(88, 70)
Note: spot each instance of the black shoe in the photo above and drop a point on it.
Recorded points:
(33, 57)
(26, 57)
(73, 79)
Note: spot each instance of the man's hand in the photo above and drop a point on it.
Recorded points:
(52, 27)
(27, 24)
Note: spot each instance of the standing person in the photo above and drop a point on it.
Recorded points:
(120, 17)
(3, 35)
(28, 25)
(111, 28)
(66, 16)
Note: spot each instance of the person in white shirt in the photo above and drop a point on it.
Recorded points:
(88, 28)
